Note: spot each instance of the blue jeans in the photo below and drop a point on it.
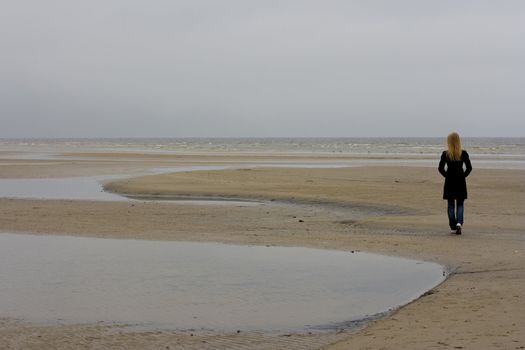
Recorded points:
(455, 212)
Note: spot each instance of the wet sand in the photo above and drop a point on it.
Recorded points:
(389, 210)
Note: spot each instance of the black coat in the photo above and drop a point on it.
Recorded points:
(455, 184)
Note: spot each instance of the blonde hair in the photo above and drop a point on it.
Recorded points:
(454, 146)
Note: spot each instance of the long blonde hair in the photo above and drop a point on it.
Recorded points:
(454, 146)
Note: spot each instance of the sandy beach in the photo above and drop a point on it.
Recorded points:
(203, 175)
(392, 210)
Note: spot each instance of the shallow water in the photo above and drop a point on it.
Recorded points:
(79, 188)
(208, 286)
(90, 188)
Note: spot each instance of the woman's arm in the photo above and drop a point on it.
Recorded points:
(468, 166)
(442, 163)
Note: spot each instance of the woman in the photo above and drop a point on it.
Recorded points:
(455, 190)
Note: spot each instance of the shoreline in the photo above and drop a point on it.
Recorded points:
(491, 249)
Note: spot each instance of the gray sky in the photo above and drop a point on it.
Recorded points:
(103, 68)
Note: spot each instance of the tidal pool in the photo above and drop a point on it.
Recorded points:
(76, 188)
(200, 286)
(90, 188)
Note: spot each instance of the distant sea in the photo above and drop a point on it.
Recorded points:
(496, 146)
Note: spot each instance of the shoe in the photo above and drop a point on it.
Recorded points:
(458, 229)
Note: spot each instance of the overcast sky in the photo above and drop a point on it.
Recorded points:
(219, 68)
